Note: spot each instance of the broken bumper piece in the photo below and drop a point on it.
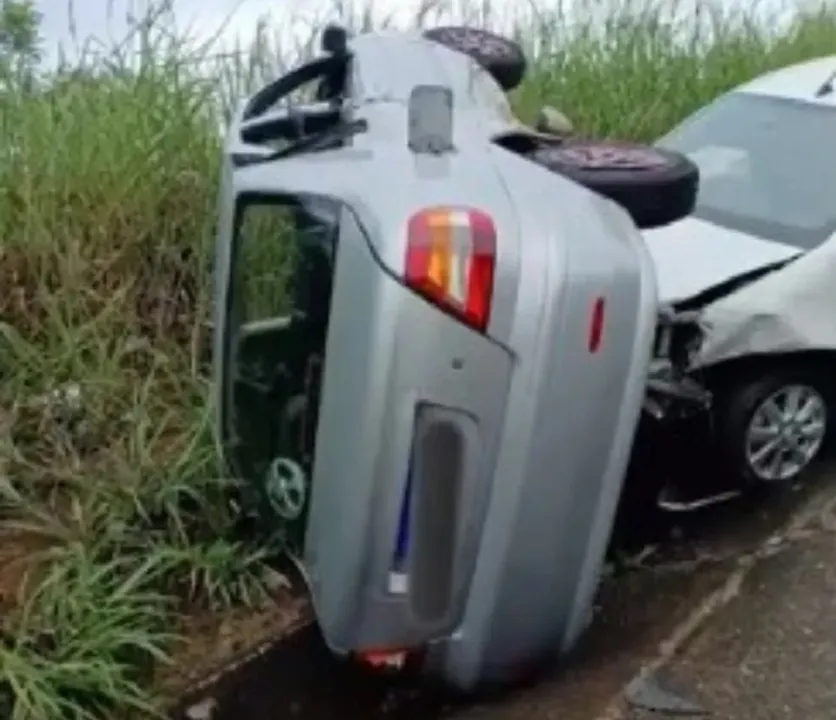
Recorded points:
(671, 392)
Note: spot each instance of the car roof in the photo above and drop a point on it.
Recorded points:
(797, 82)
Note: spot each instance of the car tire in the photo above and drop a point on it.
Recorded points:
(502, 58)
(749, 419)
(655, 186)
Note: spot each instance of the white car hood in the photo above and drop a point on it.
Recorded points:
(789, 310)
(693, 255)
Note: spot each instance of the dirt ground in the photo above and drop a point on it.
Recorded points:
(215, 644)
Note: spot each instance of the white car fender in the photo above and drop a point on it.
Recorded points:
(790, 309)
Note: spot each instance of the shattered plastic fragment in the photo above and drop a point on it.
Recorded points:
(650, 693)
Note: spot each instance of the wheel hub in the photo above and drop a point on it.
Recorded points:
(785, 433)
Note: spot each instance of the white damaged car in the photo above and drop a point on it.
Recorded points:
(756, 264)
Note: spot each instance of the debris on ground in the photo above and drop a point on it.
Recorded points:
(655, 694)
(203, 710)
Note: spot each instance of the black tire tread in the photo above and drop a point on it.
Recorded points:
(508, 71)
(652, 197)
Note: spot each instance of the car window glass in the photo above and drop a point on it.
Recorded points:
(284, 250)
(768, 166)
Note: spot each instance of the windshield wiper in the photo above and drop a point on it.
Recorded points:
(311, 143)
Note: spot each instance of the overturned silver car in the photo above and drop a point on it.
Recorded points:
(433, 333)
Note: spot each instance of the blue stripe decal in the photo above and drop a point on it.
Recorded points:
(402, 542)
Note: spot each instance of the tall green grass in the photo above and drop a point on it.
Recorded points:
(110, 486)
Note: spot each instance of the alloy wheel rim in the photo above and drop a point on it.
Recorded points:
(785, 433)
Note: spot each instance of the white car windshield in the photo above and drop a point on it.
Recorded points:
(767, 166)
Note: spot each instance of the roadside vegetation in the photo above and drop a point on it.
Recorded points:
(118, 525)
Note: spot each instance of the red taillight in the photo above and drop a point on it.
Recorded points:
(596, 325)
(450, 260)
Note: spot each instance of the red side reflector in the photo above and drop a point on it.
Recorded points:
(596, 325)
(451, 260)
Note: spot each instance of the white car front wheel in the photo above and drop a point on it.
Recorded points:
(773, 428)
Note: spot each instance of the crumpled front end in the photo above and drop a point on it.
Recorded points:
(788, 308)
(671, 392)
(775, 308)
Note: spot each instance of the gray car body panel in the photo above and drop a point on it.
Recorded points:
(547, 422)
